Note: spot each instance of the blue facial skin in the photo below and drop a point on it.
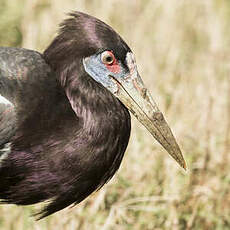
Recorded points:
(100, 73)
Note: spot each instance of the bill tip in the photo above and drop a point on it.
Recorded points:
(184, 166)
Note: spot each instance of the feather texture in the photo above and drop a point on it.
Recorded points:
(70, 133)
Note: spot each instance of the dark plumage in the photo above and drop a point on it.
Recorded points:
(62, 133)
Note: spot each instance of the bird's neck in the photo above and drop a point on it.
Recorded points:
(96, 108)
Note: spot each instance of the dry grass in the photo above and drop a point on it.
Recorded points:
(183, 52)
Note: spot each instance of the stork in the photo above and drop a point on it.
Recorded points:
(64, 115)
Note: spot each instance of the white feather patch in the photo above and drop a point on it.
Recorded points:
(4, 101)
(5, 151)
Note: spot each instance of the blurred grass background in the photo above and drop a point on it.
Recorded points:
(183, 54)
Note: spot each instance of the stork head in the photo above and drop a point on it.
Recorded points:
(91, 46)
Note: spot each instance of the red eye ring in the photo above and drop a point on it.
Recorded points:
(108, 58)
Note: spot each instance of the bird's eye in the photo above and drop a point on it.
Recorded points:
(107, 58)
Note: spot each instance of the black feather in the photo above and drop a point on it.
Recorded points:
(70, 132)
